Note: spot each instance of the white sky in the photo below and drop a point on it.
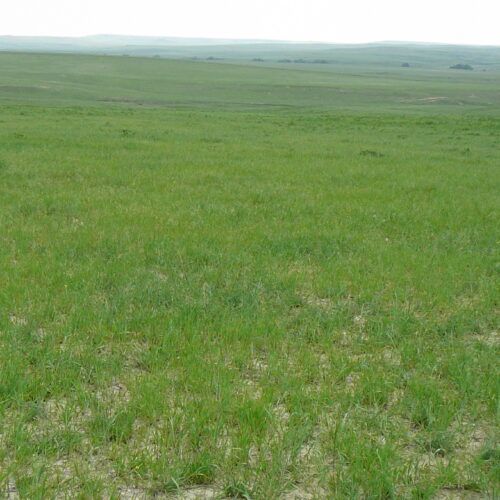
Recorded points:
(449, 21)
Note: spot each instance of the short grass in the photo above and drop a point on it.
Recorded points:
(231, 293)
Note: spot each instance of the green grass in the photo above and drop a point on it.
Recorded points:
(145, 82)
(235, 282)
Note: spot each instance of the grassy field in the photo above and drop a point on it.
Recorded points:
(230, 281)
(335, 56)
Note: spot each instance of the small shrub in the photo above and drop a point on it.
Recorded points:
(467, 67)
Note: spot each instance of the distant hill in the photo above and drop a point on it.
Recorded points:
(106, 42)
(391, 54)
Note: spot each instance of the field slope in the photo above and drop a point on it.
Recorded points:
(246, 281)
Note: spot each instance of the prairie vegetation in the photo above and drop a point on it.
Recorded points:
(231, 281)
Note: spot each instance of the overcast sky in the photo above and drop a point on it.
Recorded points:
(449, 21)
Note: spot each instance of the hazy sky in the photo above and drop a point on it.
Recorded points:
(453, 21)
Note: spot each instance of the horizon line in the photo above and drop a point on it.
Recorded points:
(254, 40)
